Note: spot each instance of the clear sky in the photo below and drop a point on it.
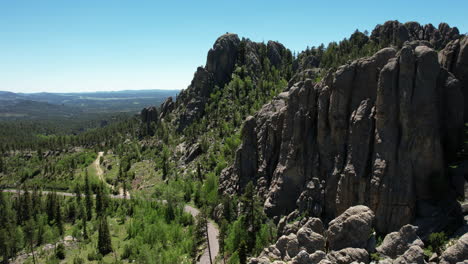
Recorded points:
(96, 45)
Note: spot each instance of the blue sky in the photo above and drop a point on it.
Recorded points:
(73, 46)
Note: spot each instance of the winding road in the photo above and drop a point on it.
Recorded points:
(213, 231)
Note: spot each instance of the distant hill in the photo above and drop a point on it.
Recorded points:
(51, 105)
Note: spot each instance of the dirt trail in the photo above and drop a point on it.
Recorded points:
(213, 231)
(100, 174)
(97, 166)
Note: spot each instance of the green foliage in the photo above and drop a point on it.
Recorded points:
(104, 239)
(60, 252)
(375, 257)
(437, 241)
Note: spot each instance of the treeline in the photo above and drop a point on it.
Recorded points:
(55, 135)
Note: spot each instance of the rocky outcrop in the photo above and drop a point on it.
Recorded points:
(397, 243)
(149, 114)
(227, 52)
(348, 255)
(351, 229)
(414, 254)
(375, 132)
(454, 58)
(396, 33)
(167, 106)
(456, 253)
(222, 58)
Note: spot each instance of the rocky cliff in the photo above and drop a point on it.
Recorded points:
(228, 52)
(396, 33)
(378, 131)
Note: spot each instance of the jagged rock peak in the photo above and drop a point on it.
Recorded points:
(375, 132)
(396, 33)
(222, 58)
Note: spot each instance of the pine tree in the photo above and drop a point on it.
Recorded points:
(104, 239)
(99, 201)
(58, 217)
(29, 230)
(222, 237)
(26, 206)
(50, 207)
(88, 198)
(249, 212)
(85, 231)
(242, 252)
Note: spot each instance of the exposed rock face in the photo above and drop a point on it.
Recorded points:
(414, 254)
(456, 253)
(149, 114)
(167, 107)
(351, 229)
(222, 58)
(348, 255)
(397, 243)
(454, 58)
(396, 33)
(375, 132)
(227, 52)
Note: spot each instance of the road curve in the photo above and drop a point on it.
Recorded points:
(213, 234)
(213, 231)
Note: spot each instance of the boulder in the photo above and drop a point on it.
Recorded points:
(397, 243)
(301, 258)
(457, 252)
(348, 255)
(415, 254)
(309, 240)
(317, 256)
(351, 229)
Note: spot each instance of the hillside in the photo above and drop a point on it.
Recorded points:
(354, 151)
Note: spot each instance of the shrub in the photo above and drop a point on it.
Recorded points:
(92, 256)
(437, 242)
(60, 253)
(78, 260)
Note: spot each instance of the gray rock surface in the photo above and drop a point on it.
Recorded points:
(397, 243)
(376, 132)
(351, 229)
(457, 252)
(348, 255)
(414, 254)
(454, 58)
(396, 33)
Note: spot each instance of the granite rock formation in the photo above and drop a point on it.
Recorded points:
(375, 132)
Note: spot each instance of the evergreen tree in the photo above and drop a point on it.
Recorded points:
(51, 205)
(29, 232)
(99, 201)
(222, 237)
(85, 231)
(58, 217)
(104, 239)
(243, 253)
(88, 198)
(25, 206)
